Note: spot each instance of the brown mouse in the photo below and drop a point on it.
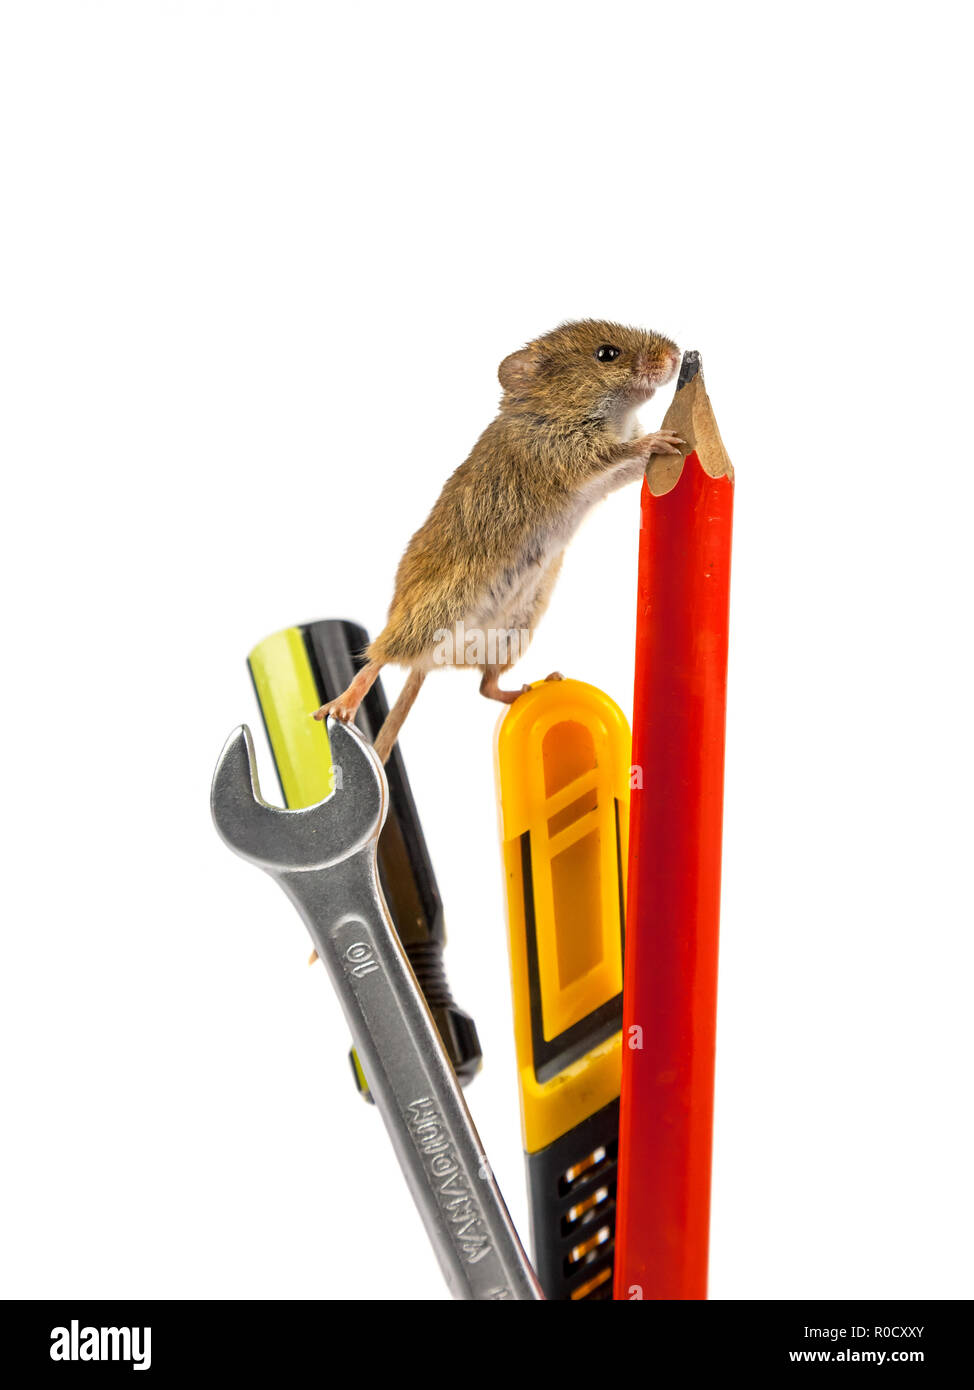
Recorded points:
(477, 575)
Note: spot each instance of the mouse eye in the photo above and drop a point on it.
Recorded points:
(608, 353)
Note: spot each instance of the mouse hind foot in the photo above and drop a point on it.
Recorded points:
(345, 706)
(491, 688)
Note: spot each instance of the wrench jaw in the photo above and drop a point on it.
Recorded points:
(316, 837)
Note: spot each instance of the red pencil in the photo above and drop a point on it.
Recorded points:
(670, 994)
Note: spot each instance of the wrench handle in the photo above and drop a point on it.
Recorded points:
(411, 1080)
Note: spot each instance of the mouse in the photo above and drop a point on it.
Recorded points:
(477, 576)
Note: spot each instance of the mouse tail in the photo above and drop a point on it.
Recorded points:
(394, 720)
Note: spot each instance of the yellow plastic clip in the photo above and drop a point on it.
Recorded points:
(562, 764)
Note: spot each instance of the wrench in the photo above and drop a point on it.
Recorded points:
(324, 857)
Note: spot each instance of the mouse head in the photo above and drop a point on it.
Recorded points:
(589, 368)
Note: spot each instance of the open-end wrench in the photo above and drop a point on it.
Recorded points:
(324, 858)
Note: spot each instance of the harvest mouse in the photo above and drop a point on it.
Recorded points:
(478, 574)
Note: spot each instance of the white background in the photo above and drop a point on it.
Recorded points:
(260, 263)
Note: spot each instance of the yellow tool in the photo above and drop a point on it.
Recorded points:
(294, 672)
(562, 764)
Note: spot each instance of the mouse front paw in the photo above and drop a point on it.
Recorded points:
(664, 442)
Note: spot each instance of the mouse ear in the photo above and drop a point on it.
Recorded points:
(519, 370)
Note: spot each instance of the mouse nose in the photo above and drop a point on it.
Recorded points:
(663, 367)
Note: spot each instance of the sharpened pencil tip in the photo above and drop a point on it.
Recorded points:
(690, 367)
